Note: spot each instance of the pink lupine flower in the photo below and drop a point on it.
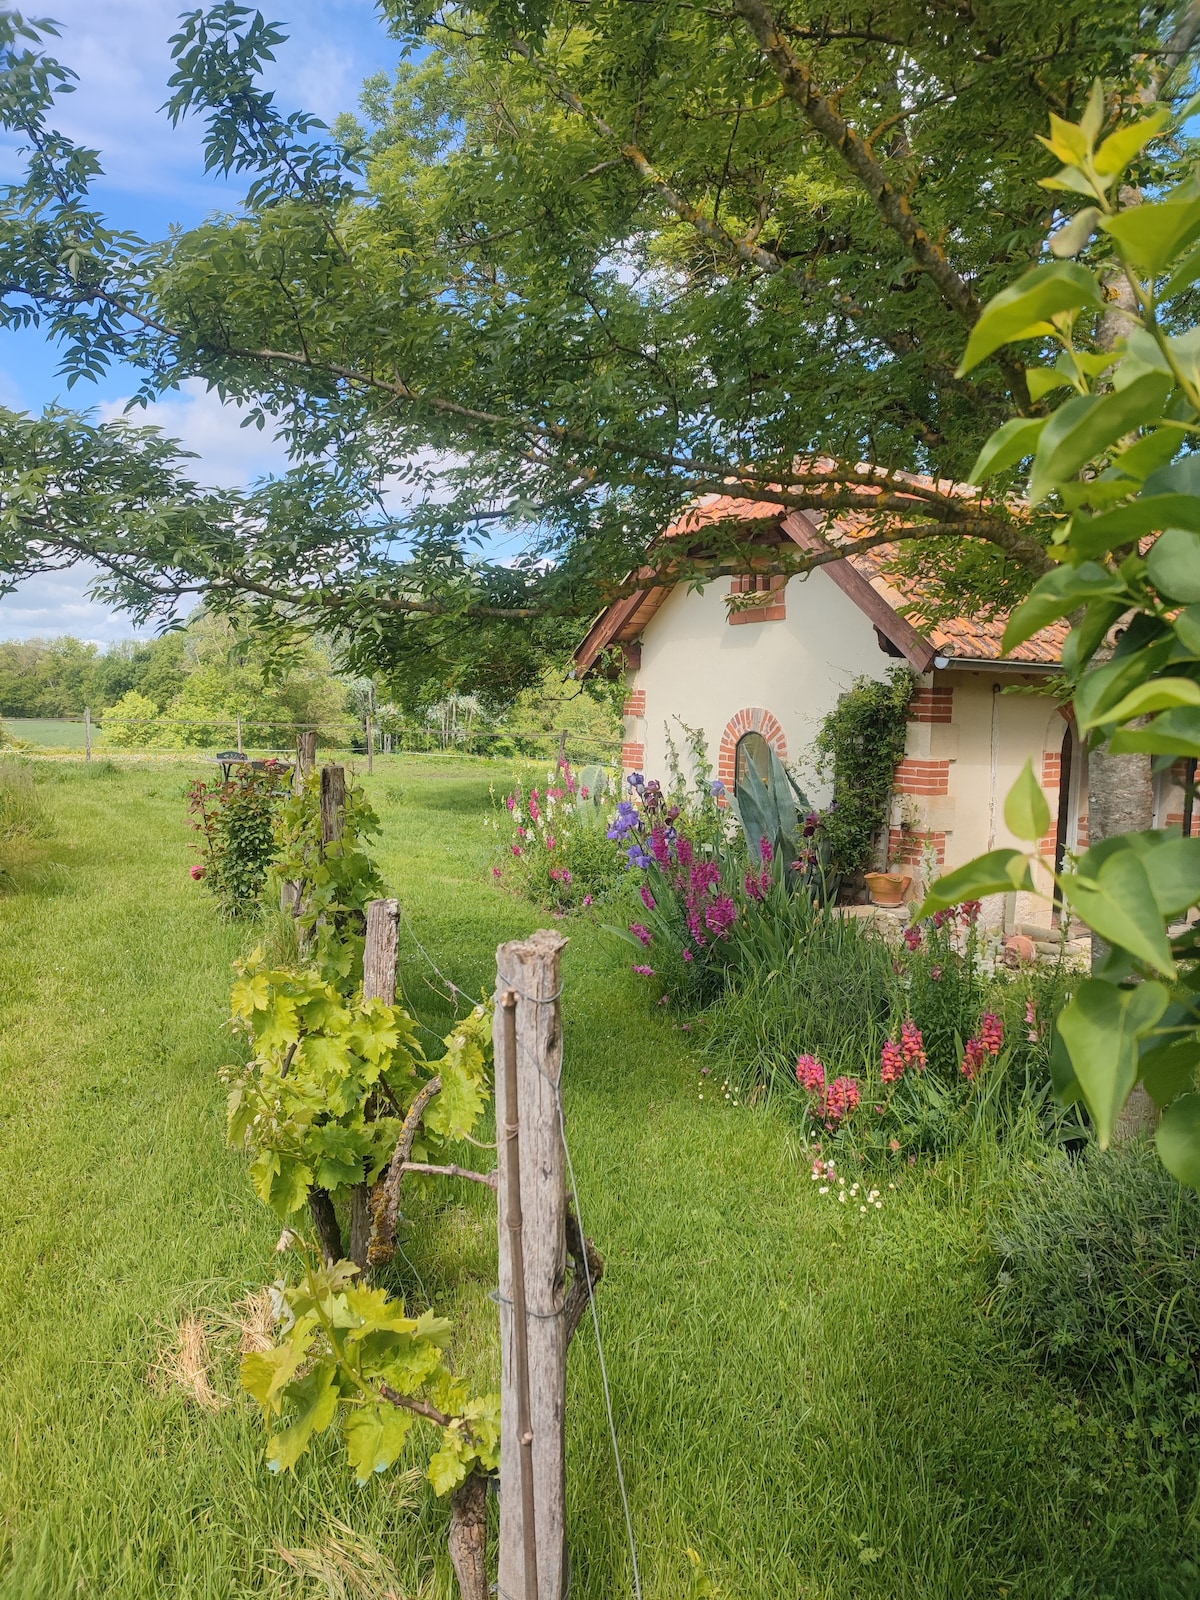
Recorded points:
(647, 898)
(810, 1073)
(642, 932)
(891, 1067)
(841, 1099)
(991, 1033)
(913, 1046)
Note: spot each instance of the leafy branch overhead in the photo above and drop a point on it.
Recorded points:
(1115, 465)
(573, 269)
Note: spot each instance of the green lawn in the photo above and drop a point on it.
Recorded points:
(811, 1399)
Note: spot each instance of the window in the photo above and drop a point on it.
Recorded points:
(754, 583)
(752, 751)
(771, 607)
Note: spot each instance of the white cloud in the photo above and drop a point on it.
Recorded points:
(58, 603)
(228, 454)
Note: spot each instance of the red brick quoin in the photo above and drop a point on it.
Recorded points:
(909, 849)
(633, 757)
(753, 720)
(922, 777)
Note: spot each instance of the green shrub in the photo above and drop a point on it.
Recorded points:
(236, 824)
(1099, 1278)
(23, 814)
(859, 745)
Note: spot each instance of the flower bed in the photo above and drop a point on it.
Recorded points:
(557, 846)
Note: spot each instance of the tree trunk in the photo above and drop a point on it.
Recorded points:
(326, 1223)
(468, 1537)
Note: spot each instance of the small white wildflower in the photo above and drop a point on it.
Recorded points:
(842, 1197)
(862, 1208)
(824, 1189)
(879, 1205)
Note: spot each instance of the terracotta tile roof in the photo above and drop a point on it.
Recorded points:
(967, 639)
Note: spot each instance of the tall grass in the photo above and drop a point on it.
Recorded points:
(23, 813)
(813, 981)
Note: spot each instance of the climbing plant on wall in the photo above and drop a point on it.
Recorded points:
(859, 746)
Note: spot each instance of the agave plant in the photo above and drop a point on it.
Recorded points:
(776, 811)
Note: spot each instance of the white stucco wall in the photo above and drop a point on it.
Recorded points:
(699, 668)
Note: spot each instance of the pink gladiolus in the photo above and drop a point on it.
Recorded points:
(687, 954)
(891, 1067)
(766, 850)
(647, 898)
(753, 888)
(683, 852)
(810, 1073)
(913, 1046)
(721, 915)
(642, 932)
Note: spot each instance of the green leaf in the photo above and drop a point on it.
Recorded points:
(1151, 235)
(1067, 141)
(1026, 811)
(1183, 277)
(1053, 596)
(1011, 443)
(1187, 630)
(998, 872)
(1024, 309)
(315, 1398)
(282, 1181)
(448, 1467)
(1071, 239)
(1084, 427)
(1160, 694)
(1119, 904)
(1174, 733)
(1173, 565)
(456, 1109)
(1100, 1028)
(1178, 1140)
(1096, 536)
(1040, 381)
(375, 1436)
(1171, 863)
(1065, 1084)
(266, 1373)
(1119, 149)
(1168, 1069)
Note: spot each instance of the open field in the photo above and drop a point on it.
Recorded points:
(60, 733)
(811, 1399)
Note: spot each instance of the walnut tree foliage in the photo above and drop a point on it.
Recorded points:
(572, 267)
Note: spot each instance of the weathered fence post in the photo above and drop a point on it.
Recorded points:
(370, 743)
(333, 804)
(528, 1047)
(379, 983)
(240, 750)
(87, 733)
(306, 753)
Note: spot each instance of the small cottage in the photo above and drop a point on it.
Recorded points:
(765, 672)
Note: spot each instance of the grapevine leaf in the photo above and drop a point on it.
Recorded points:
(375, 1436)
(449, 1466)
(265, 1373)
(315, 1398)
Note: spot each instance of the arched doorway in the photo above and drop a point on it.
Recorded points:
(752, 751)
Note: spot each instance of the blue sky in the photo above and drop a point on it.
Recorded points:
(154, 176)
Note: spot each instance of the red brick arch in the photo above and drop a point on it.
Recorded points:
(753, 720)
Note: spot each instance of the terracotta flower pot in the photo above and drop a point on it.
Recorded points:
(888, 888)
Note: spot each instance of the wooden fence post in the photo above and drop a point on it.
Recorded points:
(87, 733)
(306, 752)
(370, 743)
(528, 1047)
(333, 804)
(241, 752)
(379, 983)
